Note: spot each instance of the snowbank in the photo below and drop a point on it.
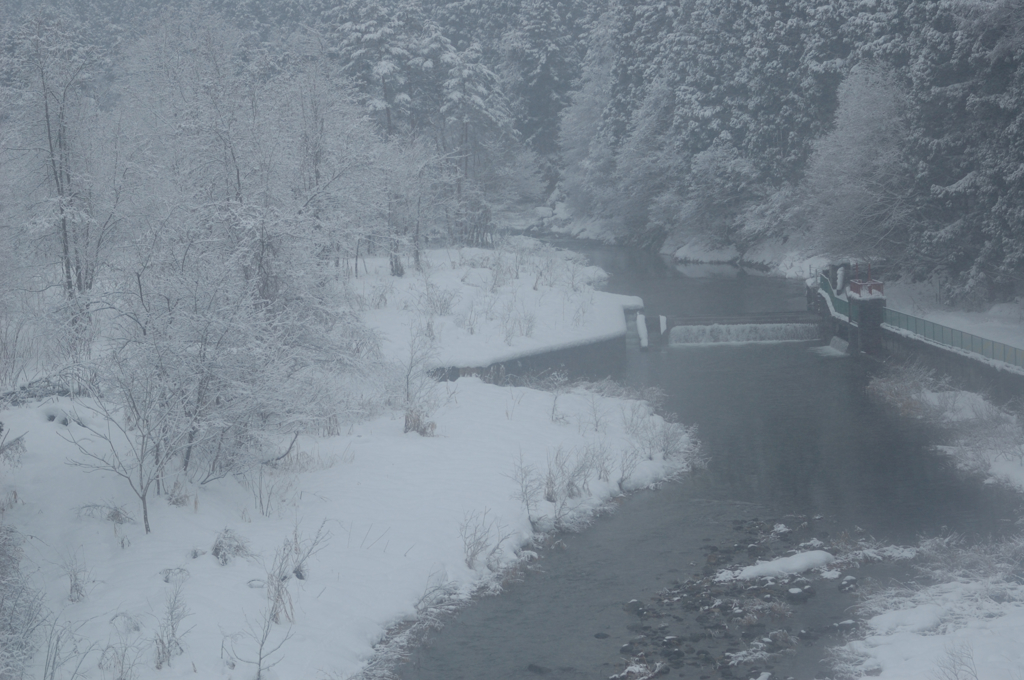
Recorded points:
(698, 251)
(781, 258)
(773, 256)
(403, 514)
(959, 629)
(778, 568)
(487, 306)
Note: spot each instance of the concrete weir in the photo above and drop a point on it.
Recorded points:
(745, 332)
(764, 327)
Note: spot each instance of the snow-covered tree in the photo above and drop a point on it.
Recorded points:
(67, 163)
(539, 64)
(227, 328)
(856, 186)
(375, 41)
(584, 138)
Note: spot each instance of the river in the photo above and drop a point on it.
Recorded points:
(792, 440)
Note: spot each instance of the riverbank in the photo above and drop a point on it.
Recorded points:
(354, 538)
(962, 616)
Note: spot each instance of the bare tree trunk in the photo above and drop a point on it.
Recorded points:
(145, 511)
(143, 494)
(416, 237)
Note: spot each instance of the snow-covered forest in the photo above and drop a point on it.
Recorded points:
(885, 128)
(326, 130)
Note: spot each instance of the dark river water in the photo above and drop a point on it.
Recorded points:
(790, 436)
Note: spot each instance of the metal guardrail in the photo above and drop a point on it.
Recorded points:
(944, 335)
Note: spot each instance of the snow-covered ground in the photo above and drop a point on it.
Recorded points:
(967, 626)
(478, 307)
(385, 528)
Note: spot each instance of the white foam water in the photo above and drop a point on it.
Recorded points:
(839, 345)
(641, 329)
(744, 332)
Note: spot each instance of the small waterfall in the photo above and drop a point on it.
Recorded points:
(744, 332)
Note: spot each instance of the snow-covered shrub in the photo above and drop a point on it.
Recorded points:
(577, 274)
(529, 487)
(600, 459)
(470, 318)
(950, 557)
(581, 307)
(21, 609)
(516, 320)
(957, 663)
(269, 489)
(16, 346)
(566, 482)
(111, 512)
(303, 548)
(482, 538)
(261, 645)
(654, 396)
(594, 418)
(120, 658)
(628, 463)
(418, 386)
(568, 475)
(379, 294)
(179, 495)
(673, 440)
(436, 300)
(279, 600)
(964, 591)
(11, 450)
(77, 573)
(64, 648)
(904, 386)
(503, 271)
(635, 416)
(228, 546)
(132, 442)
(168, 638)
(417, 422)
(978, 433)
